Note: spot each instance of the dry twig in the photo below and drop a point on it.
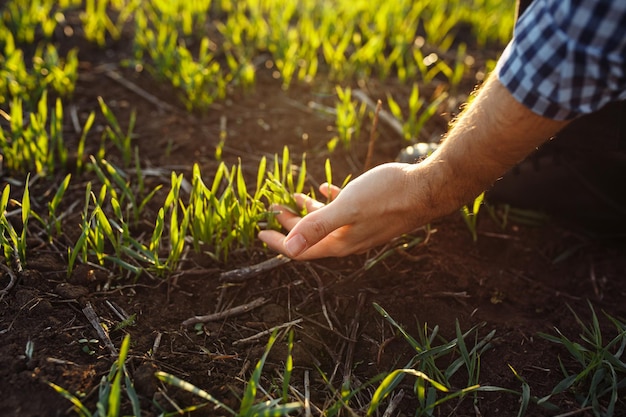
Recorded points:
(156, 344)
(91, 315)
(160, 104)
(305, 398)
(60, 361)
(307, 394)
(320, 289)
(266, 332)
(574, 412)
(235, 311)
(354, 328)
(247, 272)
(385, 116)
(370, 147)
(117, 310)
(394, 403)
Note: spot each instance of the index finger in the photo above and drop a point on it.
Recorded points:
(316, 226)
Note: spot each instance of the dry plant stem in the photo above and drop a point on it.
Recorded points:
(161, 105)
(12, 278)
(307, 394)
(16, 259)
(156, 344)
(266, 332)
(575, 412)
(460, 294)
(5, 115)
(499, 236)
(247, 272)
(306, 397)
(382, 347)
(385, 116)
(60, 361)
(231, 312)
(394, 403)
(372, 142)
(171, 401)
(74, 118)
(117, 310)
(354, 328)
(321, 325)
(220, 299)
(91, 315)
(320, 289)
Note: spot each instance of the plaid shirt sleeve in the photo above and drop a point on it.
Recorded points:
(567, 57)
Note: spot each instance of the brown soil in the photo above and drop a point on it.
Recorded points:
(508, 279)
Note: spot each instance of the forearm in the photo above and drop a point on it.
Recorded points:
(492, 134)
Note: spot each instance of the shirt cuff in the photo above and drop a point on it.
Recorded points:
(553, 70)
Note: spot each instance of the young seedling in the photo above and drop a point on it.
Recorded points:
(113, 132)
(9, 238)
(349, 117)
(80, 247)
(602, 372)
(418, 112)
(433, 382)
(111, 390)
(25, 19)
(471, 216)
(27, 81)
(130, 197)
(36, 145)
(96, 21)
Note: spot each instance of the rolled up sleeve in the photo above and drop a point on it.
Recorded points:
(567, 57)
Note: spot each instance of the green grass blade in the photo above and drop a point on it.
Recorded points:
(251, 389)
(288, 366)
(58, 196)
(26, 202)
(177, 382)
(115, 397)
(407, 336)
(80, 150)
(80, 407)
(4, 200)
(110, 117)
(132, 394)
(388, 384)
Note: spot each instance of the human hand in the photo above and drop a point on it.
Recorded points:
(369, 211)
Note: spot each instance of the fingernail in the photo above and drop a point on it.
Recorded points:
(295, 245)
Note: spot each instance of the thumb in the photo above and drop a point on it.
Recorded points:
(313, 227)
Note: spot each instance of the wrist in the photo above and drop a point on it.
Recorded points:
(431, 191)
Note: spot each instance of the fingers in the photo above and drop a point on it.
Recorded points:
(306, 232)
(287, 218)
(306, 202)
(314, 227)
(273, 239)
(326, 248)
(329, 191)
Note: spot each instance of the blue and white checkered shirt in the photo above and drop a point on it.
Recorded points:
(567, 57)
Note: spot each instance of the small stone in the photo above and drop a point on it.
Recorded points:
(69, 291)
